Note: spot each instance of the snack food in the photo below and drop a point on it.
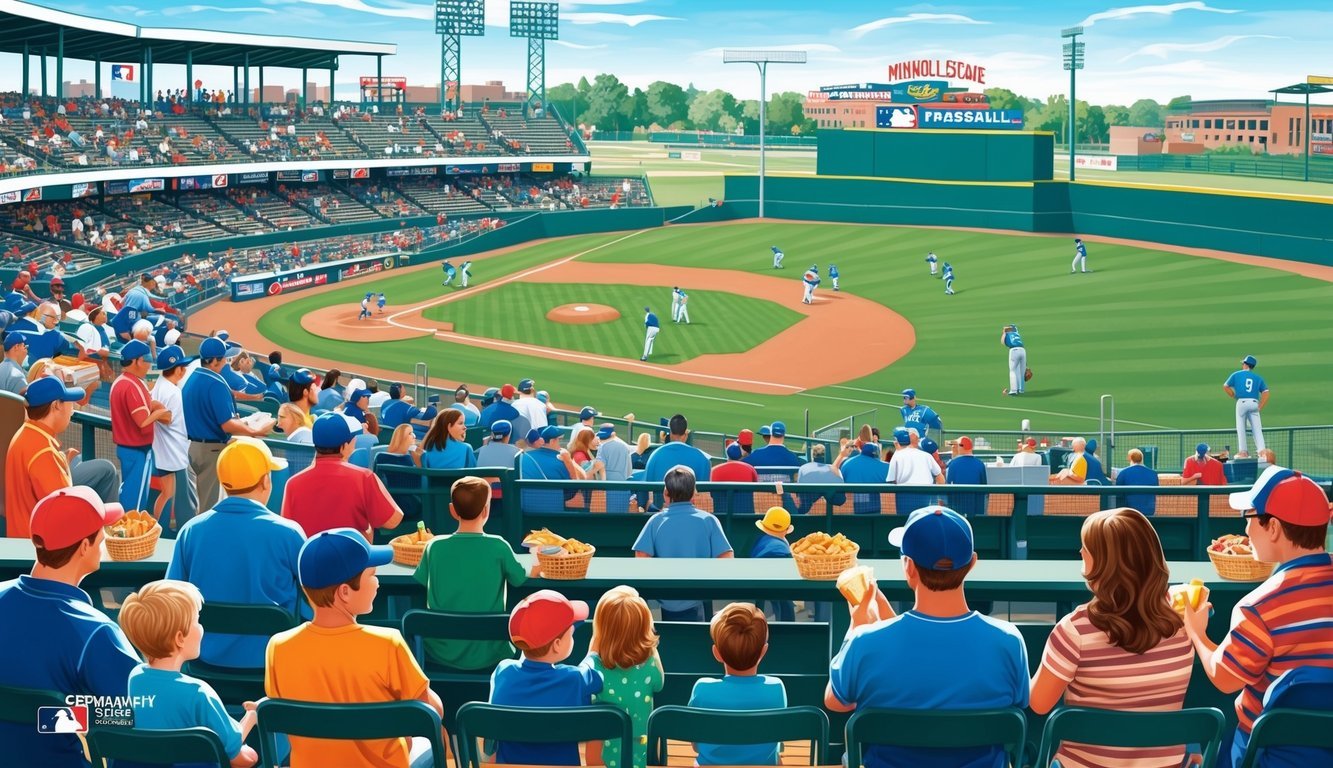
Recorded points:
(422, 534)
(1232, 544)
(1190, 594)
(543, 538)
(820, 543)
(133, 525)
(575, 547)
(854, 582)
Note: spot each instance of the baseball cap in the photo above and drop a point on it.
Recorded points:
(48, 389)
(1201, 448)
(334, 430)
(1287, 495)
(244, 462)
(551, 432)
(223, 335)
(212, 348)
(544, 396)
(462, 390)
(525, 385)
(934, 534)
(57, 280)
(734, 451)
(929, 446)
(870, 449)
(233, 350)
(965, 442)
(605, 431)
(588, 412)
(172, 336)
(489, 395)
(1250, 361)
(778, 429)
(745, 438)
(133, 350)
(67, 515)
(336, 556)
(1091, 447)
(765, 431)
(172, 356)
(1031, 442)
(353, 386)
(902, 436)
(357, 395)
(501, 427)
(909, 394)
(776, 520)
(507, 392)
(15, 338)
(302, 377)
(533, 436)
(543, 616)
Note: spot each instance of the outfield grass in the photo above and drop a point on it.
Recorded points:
(1158, 331)
(522, 308)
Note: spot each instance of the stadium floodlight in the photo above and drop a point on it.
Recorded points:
(1305, 89)
(538, 22)
(1073, 62)
(761, 59)
(455, 19)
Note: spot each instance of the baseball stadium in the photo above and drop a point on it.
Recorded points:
(361, 423)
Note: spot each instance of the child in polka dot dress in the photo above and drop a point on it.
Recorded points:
(624, 650)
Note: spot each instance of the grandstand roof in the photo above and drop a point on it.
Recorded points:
(88, 38)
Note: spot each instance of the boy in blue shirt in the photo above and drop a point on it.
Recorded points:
(775, 527)
(162, 621)
(542, 627)
(740, 640)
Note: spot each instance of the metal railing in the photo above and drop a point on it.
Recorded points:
(1264, 166)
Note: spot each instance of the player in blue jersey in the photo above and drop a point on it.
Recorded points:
(365, 307)
(1251, 394)
(777, 257)
(650, 328)
(1080, 257)
(833, 275)
(918, 417)
(1018, 359)
(449, 272)
(948, 279)
(933, 262)
(381, 301)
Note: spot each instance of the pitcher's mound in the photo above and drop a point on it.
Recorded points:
(339, 322)
(583, 314)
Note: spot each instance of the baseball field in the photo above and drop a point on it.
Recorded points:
(1159, 330)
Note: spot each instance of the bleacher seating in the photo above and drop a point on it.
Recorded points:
(440, 196)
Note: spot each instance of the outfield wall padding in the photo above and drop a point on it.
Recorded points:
(941, 155)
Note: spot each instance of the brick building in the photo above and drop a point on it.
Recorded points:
(1267, 127)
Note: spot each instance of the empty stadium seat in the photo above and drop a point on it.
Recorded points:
(1005, 728)
(196, 746)
(598, 722)
(713, 726)
(347, 721)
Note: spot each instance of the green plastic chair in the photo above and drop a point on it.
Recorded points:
(1107, 728)
(598, 722)
(381, 720)
(934, 729)
(166, 748)
(234, 685)
(718, 726)
(1288, 728)
(19, 705)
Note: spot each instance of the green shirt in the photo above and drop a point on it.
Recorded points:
(467, 573)
(631, 690)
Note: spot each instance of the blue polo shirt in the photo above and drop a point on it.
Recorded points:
(208, 404)
(329, 399)
(773, 456)
(526, 683)
(682, 530)
(770, 547)
(395, 412)
(46, 344)
(543, 464)
(181, 701)
(667, 456)
(52, 638)
(239, 382)
(455, 454)
(496, 411)
(736, 692)
(1137, 474)
(865, 469)
(966, 470)
(240, 552)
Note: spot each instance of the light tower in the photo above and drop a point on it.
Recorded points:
(538, 22)
(453, 20)
(1073, 62)
(762, 59)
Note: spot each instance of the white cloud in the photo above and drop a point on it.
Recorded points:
(403, 11)
(928, 18)
(1120, 14)
(629, 20)
(1164, 50)
(716, 53)
(577, 46)
(179, 10)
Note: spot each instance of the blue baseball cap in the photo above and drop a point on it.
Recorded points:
(302, 377)
(212, 348)
(930, 446)
(223, 335)
(1201, 448)
(534, 435)
(778, 429)
(526, 385)
(870, 449)
(233, 349)
(902, 437)
(734, 451)
(15, 338)
(606, 431)
(133, 350)
(501, 427)
(334, 430)
(172, 357)
(1091, 447)
(551, 432)
(490, 395)
(588, 412)
(336, 556)
(544, 396)
(1250, 361)
(360, 393)
(936, 538)
(765, 431)
(48, 389)
(909, 394)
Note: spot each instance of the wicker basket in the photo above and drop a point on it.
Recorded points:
(137, 548)
(1240, 567)
(566, 567)
(406, 551)
(825, 567)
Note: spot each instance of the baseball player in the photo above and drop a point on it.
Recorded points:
(365, 307)
(810, 279)
(684, 308)
(650, 329)
(449, 272)
(1018, 359)
(948, 279)
(675, 304)
(833, 275)
(466, 271)
(1251, 394)
(918, 417)
(381, 301)
(1080, 257)
(777, 258)
(932, 261)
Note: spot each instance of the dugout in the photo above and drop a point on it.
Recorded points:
(939, 155)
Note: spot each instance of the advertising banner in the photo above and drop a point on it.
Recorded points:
(253, 178)
(543, 167)
(464, 170)
(216, 181)
(82, 190)
(1322, 138)
(1097, 162)
(896, 117)
(990, 119)
(146, 185)
(1321, 149)
(944, 69)
(11, 197)
(912, 92)
(125, 81)
(33, 195)
(280, 283)
(508, 168)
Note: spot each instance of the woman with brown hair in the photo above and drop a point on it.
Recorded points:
(1125, 649)
(444, 446)
(581, 450)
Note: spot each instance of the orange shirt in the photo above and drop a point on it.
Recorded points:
(34, 467)
(347, 665)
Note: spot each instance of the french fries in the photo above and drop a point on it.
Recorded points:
(543, 538)
(132, 525)
(575, 547)
(820, 543)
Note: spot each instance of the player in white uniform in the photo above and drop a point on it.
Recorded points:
(365, 307)
(948, 279)
(684, 308)
(466, 271)
(650, 328)
(675, 304)
(1080, 257)
(777, 258)
(1018, 359)
(833, 275)
(932, 261)
(810, 279)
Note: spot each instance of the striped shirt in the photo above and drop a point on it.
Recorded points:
(1286, 622)
(1103, 676)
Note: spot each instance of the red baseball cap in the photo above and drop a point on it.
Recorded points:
(746, 438)
(1287, 495)
(507, 391)
(70, 514)
(965, 442)
(1031, 442)
(544, 616)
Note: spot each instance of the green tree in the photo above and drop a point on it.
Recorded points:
(666, 103)
(749, 117)
(1145, 113)
(1116, 114)
(1003, 98)
(1093, 128)
(636, 109)
(1180, 102)
(608, 99)
(709, 108)
(784, 112)
(568, 101)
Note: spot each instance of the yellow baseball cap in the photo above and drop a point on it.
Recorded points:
(776, 521)
(244, 462)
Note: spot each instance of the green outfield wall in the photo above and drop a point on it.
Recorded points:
(940, 155)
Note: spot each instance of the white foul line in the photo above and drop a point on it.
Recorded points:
(975, 405)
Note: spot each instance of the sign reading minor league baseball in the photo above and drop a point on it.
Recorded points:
(942, 69)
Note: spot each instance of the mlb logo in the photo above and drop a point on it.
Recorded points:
(72, 719)
(122, 71)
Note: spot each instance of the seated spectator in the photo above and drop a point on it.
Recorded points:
(740, 641)
(775, 454)
(471, 415)
(13, 377)
(865, 466)
(546, 460)
(1203, 469)
(674, 453)
(291, 422)
(774, 528)
(542, 627)
(95, 340)
(50, 634)
(586, 418)
(445, 446)
(49, 341)
(1137, 474)
(335, 660)
(682, 530)
(162, 620)
(330, 394)
(503, 408)
(331, 493)
(303, 393)
(1126, 648)
(1075, 470)
(1282, 624)
(912, 466)
(960, 659)
(735, 470)
(1096, 475)
(966, 469)
(358, 407)
(401, 451)
(498, 451)
(581, 448)
(1027, 455)
(816, 471)
(624, 647)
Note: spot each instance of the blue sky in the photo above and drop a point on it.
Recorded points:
(1209, 49)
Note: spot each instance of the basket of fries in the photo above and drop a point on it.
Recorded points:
(1233, 557)
(133, 537)
(821, 557)
(408, 548)
(560, 558)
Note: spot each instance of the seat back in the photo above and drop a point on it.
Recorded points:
(239, 619)
(13, 412)
(1005, 728)
(419, 625)
(381, 720)
(599, 722)
(19, 705)
(360, 458)
(1107, 728)
(183, 745)
(715, 726)
(1296, 732)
